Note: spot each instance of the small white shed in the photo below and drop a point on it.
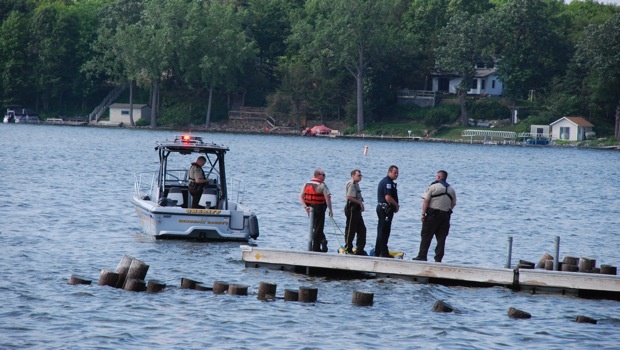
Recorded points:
(571, 129)
(119, 113)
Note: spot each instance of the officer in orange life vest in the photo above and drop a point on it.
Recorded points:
(315, 194)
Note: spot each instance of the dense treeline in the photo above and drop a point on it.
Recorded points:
(194, 60)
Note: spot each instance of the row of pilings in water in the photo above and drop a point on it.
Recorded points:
(131, 273)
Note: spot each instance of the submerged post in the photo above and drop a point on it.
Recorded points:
(509, 252)
(556, 261)
(310, 229)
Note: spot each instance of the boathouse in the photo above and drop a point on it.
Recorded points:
(571, 129)
(119, 113)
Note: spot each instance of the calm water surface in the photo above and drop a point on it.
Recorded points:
(65, 210)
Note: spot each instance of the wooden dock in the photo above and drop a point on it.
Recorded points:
(587, 285)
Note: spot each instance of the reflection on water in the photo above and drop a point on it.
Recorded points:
(66, 210)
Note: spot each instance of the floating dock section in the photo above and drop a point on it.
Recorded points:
(588, 285)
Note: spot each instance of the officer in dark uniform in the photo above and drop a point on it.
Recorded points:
(387, 205)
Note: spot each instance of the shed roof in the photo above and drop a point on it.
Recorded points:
(127, 105)
(579, 121)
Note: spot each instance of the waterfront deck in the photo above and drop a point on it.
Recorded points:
(536, 281)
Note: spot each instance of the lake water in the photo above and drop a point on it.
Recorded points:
(65, 210)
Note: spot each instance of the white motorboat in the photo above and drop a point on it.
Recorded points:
(161, 198)
(17, 114)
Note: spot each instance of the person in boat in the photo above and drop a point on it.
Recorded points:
(439, 200)
(387, 206)
(315, 194)
(197, 181)
(353, 211)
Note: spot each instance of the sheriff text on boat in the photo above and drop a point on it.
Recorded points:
(161, 198)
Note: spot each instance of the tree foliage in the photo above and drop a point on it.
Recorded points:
(325, 59)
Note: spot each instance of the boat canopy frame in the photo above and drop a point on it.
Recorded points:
(185, 145)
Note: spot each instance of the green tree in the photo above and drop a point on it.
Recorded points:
(14, 65)
(599, 52)
(269, 24)
(461, 46)
(216, 47)
(349, 35)
(530, 52)
(52, 45)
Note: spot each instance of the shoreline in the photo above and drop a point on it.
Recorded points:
(225, 129)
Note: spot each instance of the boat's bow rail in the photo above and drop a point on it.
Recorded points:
(145, 185)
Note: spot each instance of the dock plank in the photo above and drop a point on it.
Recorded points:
(457, 272)
(588, 285)
(569, 280)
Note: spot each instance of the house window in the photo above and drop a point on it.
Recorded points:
(124, 112)
(474, 84)
(493, 84)
(564, 133)
(482, 84)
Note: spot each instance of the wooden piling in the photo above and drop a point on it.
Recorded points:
(291, 295)
(265, 289)
(201, 287)
(238, 289)
(75, 279)
(442, 306)
(220, 287)
(570, 260)
(122, 269)
(155, 286)
(523, 264)
(516, 313)
(109, 278)
(134, 285)
(609, 270)
(137, 270)
(542, 264)
(308, 294)
(586, 264)
(362, 298)
(549, 265)
(187, 283)
(585, 319)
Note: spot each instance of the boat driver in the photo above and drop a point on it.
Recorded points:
(197, 181)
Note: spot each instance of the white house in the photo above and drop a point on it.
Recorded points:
(119, 113)
(485, 83)
(571, 129)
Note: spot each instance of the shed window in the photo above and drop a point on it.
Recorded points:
(124, 112)
(564, 133)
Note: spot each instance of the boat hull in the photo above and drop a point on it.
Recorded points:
(165, 222)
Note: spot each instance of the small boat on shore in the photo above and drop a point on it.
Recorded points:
(161, 198)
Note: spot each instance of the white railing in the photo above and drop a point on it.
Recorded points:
(144, 185)
(236, 190)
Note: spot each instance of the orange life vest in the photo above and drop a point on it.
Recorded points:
(311, 196)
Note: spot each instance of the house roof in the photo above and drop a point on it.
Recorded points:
(479, 73)
(579, 121)
(126, 105)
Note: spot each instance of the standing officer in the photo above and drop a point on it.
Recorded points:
(387, 205)
(353, 211)
(197, 181)
(439, 200)
(315, 194)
